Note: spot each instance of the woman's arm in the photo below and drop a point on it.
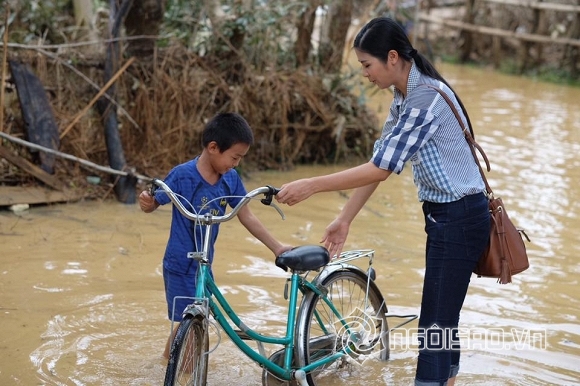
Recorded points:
(337, 231)
(362, 175)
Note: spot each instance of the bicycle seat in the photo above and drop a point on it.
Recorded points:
(303, 258)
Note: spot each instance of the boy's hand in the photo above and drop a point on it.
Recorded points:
(146, 202)
(279, 251)
(282, 249)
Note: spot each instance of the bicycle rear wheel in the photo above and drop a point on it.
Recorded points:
(362, 328)
(189, 353)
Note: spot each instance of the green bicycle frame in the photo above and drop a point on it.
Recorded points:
(207, 291)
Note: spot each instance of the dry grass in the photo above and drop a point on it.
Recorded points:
(296, 119)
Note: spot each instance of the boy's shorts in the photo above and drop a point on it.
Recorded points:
(177, 284)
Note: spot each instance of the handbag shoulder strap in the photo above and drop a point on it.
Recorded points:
(470, 140)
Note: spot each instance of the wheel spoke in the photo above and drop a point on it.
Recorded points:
(188, 357)
(361, 327)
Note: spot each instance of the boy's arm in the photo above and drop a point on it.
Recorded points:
(258, 230)
(147, 202)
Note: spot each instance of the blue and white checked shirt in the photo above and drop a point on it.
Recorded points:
(422, 129)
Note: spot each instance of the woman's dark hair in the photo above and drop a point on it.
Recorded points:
(383, 34)
(227, 129)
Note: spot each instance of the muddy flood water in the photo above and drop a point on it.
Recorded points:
(81, 291)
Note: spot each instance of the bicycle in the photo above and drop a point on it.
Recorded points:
(341, 318)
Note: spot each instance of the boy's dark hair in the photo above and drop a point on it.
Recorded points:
(227, 129)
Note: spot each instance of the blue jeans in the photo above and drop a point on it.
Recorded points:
(457, 235)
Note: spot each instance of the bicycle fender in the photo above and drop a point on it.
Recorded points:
(331, 268)
(194, 310)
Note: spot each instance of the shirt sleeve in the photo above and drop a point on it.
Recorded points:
(388, 125)
(171, 180)
(410, 132)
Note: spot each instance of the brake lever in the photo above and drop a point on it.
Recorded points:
(278, 210)
(268, 200)
(153, 187)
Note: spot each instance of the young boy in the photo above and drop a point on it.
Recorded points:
(226, 139)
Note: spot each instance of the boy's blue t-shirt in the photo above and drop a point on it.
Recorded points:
(186, 181)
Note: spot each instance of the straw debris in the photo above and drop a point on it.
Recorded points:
(165, 102)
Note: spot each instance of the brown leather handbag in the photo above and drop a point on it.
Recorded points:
(506, 253)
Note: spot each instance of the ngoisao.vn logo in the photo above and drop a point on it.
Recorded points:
(360, 333)
(485, 339)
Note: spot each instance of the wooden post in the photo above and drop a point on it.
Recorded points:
(537, 38)
(125, 187)
(573, 52)
(40, 123)
(496, 45)
(527, 46)
(3, 69)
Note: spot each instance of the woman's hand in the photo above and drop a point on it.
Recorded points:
(295, 191)
(335, 236)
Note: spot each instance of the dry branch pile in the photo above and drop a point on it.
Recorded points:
(295, 116)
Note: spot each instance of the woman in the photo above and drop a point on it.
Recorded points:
(420, 128)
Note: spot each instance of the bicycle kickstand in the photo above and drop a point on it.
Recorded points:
(300, 376)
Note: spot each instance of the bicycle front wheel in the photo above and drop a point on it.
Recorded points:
(189, 353)
(361, 327)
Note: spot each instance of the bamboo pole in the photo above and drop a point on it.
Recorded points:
(499, 32)
(69, 157)
(96, 97)
(538, 5)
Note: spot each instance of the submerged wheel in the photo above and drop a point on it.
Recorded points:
(189, 353)
(362, 327)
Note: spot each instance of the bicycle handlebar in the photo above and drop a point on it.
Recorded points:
(207, 219)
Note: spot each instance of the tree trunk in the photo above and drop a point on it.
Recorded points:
(84, 16)
(144, 19)
(83, 10)
(305, 27)
(467, 36)
(333, 40)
